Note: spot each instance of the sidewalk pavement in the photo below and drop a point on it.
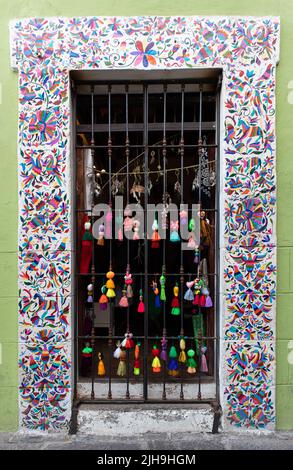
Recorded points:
(151, 441)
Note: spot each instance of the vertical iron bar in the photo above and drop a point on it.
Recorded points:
(181, 252)
(128, 265)
(164, 152)
(110, 243)
(92, 313)
(200, 333)
(145, 138)
(217, 234)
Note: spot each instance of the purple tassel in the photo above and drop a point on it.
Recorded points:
(164, 355)
(103, 306)
(209, 302)
(203, 362)
(90, 299)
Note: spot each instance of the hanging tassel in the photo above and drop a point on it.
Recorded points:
(140, 307)
(164, 355)
(103, 300)
(175, 307)
(101, 366)
(117, 351)
(163, 291)
(191, 245)
(101, 240)
(174, 227)
(182, 355)
(128, 342)
(155, 236)
(124, 300)
(121, 371)
(136, 366)
(156, 365)
(173, 363)
(108, 225)
(189, 295)
(203, 360)
(136, 225)
(191, 363)
(110, 285)
(196, 255)
(183, 217)
(209, 302)
(86, 359)
(157, 296)
(128, 281)
(90, 293)
(86, 249)
(202, 300)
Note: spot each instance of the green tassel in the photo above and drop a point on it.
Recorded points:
(163, 291)
(175, 311)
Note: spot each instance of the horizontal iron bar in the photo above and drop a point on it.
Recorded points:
(139, 127)
(119, 210)
(88, 401)
(149, 337)
(154, 146)
(146, 274)
(175, 81)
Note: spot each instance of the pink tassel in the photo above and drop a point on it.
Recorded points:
(140, 307)
(203, 362)
(209, 302)
(202, 300)
(123, 302)
(196, 300)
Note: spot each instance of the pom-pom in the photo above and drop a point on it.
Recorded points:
(140, 307)
(182, 355)
(174, 227)
(136, 366)
(175, 306)
(90, 293)
(103, 300)
(110, 285)
(173, 363)
(191, 363)
(156, 365)
(128, 342)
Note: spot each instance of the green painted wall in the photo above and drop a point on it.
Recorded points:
(8, 172)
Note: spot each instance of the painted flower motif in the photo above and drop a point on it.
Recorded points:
(44, 124)
(146, 56)
(250, 214)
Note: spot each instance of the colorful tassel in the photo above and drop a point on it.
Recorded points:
(136, 366)
(163, 288)
(124, 300)
(101, 240)
(101, 366)
(191, 363)
(203, 360)
(128, 342)
(183, 217)
(196, 255)
(128, 281)
(86, 359)
(155, 236)
(164, 355)
(90, 293)
(209, 302)
(86, 249)
(173, 363)
(175, 306)
(182, 355)
(110, 285)
(117, 351)
(189, 295)
(174, 227)
(156, 364)
(157, 296)
(140, 307)
(103, 300)
(121, 371)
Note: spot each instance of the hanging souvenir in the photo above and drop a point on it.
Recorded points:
(124, 300)
(101, 240)
(174, 227)
(203, 359)
(86, 249)
(182, 355)
(191, 363)
(117, 186)
(164, 355)
(205, 298)
(177, 185)
(156, 365)
(137, 189)
(136, 366)
(90, 294)
(197, 290)
(205, 230)
(175, 306)
(128, 342)
(173, 363)
(101, 366)
(128, 282)
(121, 371)
(86, 359)
(136, 225)
(191, 225)
(155, 236)
(156, 292)
(196, 254)
(163, 288)
(141, 307)
(191, 244)
(183, 217)
(117, 351)
(103, 300)
(110, 284)
(189, 295)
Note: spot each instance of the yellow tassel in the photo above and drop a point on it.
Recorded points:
(101, 366)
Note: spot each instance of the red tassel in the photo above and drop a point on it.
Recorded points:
(202, 300)
(175, 302)
(140, 307)
(155, 240)
(86, 256)
(196, 299)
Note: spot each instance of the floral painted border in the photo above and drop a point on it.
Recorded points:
(247, 49)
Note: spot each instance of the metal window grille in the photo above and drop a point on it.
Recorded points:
(161, 133)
